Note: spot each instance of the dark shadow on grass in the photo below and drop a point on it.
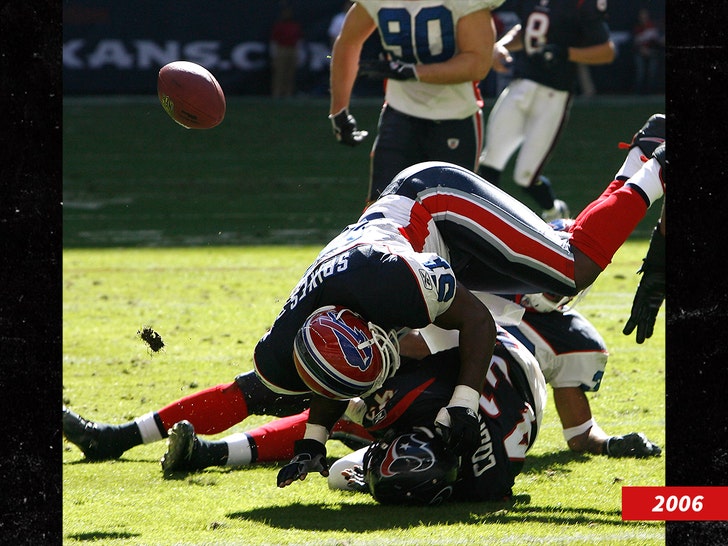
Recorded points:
(374, 517)
(553, 461)
(100, 536)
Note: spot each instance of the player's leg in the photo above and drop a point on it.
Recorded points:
(210, 410)
(547, 118)
(457, 141)
(504, 130)
(394, 149)
(597, 235)
(268, 443)
(512, 248)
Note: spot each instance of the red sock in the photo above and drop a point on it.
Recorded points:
(274, 440)
(210, 411)
(602, 227)
(613, 186)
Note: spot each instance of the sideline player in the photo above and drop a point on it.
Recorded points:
(531, 112)
(438, 51)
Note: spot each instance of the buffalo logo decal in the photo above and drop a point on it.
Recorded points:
(349, 340)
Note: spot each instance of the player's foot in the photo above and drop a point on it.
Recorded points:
(95, 440)
(181, 445)
(560, 210)
(649, 137)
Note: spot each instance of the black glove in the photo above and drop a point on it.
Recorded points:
(634, 444)
(650, 291)
(387, 69)
(551, 55)
(459, 428)
(310, 456)
(345, 129)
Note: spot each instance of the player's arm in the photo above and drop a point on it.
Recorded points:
(603, 53)
(475, 41)
(458, 422)
(510, 41)
(345, 53)
(583, 434)
(310, 452)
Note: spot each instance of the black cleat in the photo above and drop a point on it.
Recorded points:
(95, 440)
(181, 445)
(650, 136)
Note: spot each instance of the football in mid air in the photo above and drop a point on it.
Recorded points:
(191, 95)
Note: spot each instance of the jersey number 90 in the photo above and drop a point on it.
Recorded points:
(427, 36)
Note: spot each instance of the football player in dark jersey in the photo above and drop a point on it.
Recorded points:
(531, 112)
(510, 412)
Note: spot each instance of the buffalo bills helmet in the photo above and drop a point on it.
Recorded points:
(340, 355)
(414, 468)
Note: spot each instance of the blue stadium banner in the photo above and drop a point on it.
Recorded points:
(118, 47)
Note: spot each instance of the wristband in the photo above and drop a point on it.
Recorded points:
(316, 432)
(571, 432)
(465, 397)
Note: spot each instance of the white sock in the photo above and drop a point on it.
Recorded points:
(648, 180)
(148, 428)
(239, 452)
(632, 163)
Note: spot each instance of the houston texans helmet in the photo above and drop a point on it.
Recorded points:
(414, 468)
(340, 355)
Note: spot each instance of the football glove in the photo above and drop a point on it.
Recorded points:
(634, 445)
(650, 291)
(345, 129)
(379, 69)
(310, 456)
(459, 428)
(551, 55)
(355, 479)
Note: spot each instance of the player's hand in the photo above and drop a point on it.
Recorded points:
(634, 445)
(551, 55)
(355, 478)
(501, 59)
(345, 129)
(310, 456)
(645, 306)
(459, 428)
(380, 69)
(650, 291)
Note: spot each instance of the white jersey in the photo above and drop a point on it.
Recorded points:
(425, 31)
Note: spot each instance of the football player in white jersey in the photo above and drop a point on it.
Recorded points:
(532, 110)
(437, 51)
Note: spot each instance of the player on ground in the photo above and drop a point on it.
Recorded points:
(384, 273)
(438, 51)
(510, 412)
(532, 110)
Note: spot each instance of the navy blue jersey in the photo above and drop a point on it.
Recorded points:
(568, 23)
(386, 282)
(507, 415)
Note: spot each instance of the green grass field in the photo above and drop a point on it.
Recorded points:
(184, 231)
